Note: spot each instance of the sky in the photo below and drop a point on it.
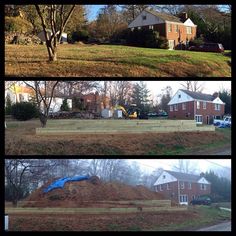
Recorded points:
(201, 165)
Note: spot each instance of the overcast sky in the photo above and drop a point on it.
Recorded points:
(200, 165)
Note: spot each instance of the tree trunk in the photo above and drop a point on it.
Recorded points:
(43, 119)
(14, 202)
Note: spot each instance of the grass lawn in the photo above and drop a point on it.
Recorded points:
(20, 139)
(114, 61)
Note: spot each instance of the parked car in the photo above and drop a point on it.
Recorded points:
(208, 47)
(202, 200)
(226, 122)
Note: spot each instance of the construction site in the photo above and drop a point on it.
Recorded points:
(89, 198)
(86, 203)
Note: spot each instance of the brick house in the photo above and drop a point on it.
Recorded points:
(204, 108)
(181, 187)
(177, 30)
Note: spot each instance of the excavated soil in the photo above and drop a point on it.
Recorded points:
(86, 193)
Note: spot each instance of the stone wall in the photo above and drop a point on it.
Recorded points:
(21, 38)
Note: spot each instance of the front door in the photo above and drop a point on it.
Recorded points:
(208, 122)
(171, 44)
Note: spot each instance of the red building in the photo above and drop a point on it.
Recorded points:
(177, 30)
(181, 187)
(204, 108)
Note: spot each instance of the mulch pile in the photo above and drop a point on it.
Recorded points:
(82, 193)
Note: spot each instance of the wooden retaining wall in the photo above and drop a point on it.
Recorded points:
(55, 127)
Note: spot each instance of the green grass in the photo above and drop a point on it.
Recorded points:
(207, 215)
(181, 149)
(110, 60)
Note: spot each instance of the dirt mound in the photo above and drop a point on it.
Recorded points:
(83, 193)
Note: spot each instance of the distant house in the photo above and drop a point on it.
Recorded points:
(177, 30)
(93, 102)
(19, 93)
(181, 187)
(190, 105)
(41, 35)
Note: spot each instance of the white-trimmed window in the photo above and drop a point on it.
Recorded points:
(176, 28)
(198, 104)
(204, 105)
(189, 185)
(156, 188)
(167, 186)
(181, 185)
(163, 176)
(217, 107)
(176, 107)
(198, 119)
(203, 187)
(151, 27)
(161, 189)
(144, 17)
(171, 108)
(184, 106)
(189, 30)
(169, 28)
(183, 198)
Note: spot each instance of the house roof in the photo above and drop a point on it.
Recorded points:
(164, 16)
(199, 96)
(184, 177)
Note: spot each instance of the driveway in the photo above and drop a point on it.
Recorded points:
(219, 227)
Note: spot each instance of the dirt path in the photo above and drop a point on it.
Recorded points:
(226, 150)
(219, 227)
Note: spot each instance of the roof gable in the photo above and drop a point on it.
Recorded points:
(180, 97)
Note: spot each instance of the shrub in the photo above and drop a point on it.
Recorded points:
(8, 106)
(17, 24)
(65, 106)
(146, 38)
(24, 111)
(80, 35)
(196, 42)
(162, 43)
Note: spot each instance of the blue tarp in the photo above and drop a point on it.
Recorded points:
(61, 182)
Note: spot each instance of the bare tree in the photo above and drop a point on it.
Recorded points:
(185, 166)
(194, 86)
(20, 174)
(44, 92)
(56, 18)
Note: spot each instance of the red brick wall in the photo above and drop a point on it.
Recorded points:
(172, 193)
(187, 114)
(181, 35)
(209, 111)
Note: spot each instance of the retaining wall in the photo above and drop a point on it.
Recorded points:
(120, 126)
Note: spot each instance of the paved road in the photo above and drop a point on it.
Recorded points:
(220, 227)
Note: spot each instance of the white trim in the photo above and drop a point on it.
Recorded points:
(203, 181)
(168, 178)
(198, 120)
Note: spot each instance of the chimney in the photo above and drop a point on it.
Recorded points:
(215, 95)
(183, 16)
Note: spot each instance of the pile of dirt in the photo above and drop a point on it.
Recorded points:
(82, 193)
